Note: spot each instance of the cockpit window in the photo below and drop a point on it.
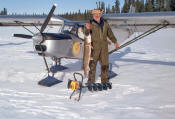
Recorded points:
(74, 29)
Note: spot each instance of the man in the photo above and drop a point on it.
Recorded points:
(100, 30)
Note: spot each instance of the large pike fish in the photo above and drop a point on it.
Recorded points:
(87, 55)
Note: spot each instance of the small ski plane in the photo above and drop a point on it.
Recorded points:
(68, 42)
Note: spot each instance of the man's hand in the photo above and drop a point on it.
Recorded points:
(116, 45)
(88, 26)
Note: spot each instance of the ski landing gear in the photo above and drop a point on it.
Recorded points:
(57, 65)
(50, 80)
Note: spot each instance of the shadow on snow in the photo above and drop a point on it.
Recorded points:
(76, 66)
(118, 57)
(11, 44)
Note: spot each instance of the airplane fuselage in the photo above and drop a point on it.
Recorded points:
(58, 45)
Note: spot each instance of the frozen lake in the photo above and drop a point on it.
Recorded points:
(143, 89)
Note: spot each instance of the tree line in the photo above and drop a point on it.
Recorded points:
(138, 5)
(87, 13)
(149, 5)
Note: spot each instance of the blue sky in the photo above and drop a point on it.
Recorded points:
(43, 6)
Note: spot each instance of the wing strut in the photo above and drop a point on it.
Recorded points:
(152, 30)
(20, 23)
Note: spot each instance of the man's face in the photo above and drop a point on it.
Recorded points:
(97, 16)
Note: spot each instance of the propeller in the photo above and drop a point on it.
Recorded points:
(48, 18)
(50, 79)
(43, 27)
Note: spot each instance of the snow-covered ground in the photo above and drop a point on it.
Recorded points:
(143, 89)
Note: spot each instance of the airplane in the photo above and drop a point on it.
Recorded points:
(68, 41)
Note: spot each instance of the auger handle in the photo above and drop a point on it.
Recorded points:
(79, 75)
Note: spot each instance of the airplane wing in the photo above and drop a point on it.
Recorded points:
(29, 20)
(124, 25)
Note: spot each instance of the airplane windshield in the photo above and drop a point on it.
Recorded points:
(73, 29)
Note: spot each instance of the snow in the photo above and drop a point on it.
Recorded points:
(143, 89)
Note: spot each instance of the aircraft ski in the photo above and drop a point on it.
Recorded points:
(49, 81)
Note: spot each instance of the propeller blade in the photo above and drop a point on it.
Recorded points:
(23, 36)
(48, 18)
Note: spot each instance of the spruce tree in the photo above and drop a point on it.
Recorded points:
(102, 6)
(149, 7)
(126, 7)
(108, 10)
(161, 5)
(172, 5)
(142, 6)
(167, 7)
(117, 6)
(139, 6)
(113, 9)
(5, 11)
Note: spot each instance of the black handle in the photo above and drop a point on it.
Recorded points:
(79, 75)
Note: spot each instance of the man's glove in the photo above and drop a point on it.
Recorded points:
(88, 26)
(116, 45)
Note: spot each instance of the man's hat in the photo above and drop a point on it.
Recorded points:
(97, 11)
